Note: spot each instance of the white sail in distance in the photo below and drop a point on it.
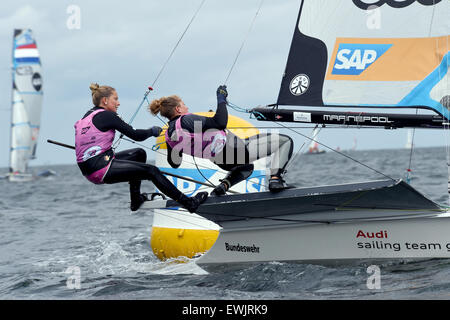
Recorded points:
(27, 97)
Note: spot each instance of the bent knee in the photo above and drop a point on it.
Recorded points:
(153, 170)
(139, 155)
(285, 138)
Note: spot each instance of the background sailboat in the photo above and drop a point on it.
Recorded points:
(26, 106)
(314, 146)
(409, 139)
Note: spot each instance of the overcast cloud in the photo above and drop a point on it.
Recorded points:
(125, 43)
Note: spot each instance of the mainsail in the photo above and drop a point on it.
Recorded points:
(26, 101)
(366, 54)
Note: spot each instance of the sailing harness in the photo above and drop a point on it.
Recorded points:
(93, 148)
(199, 144)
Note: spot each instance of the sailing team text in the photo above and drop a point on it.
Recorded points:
(376, 243)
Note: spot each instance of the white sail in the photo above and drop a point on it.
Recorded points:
(348, 53)
(26, 101)
(20, 135)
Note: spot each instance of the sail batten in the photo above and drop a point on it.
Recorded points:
(26, 101)
(349, 53)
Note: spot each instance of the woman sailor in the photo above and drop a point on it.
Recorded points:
(94, 135)
(206, 137)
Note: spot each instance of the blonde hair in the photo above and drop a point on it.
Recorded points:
(99, 92)
(165, 106)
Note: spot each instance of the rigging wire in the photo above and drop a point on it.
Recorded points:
(301, 147)
(178, 42)
(243, 42)
(116, 144)
(342, 154)
(320, 143)
(229, 73)
(447, 105)
(413, 130)
(446, 126)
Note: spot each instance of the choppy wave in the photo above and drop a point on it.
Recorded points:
(52, 228)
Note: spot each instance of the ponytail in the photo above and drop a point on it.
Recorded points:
(99, 92)
(165, 106)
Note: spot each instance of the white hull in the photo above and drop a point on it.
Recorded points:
(21, 177)
(375, 220)
(420, 237)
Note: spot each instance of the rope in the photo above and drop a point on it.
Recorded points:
(201, 173)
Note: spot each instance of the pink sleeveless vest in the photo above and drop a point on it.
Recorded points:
(89, 142)
(204, 145)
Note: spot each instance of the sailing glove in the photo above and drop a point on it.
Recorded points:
(155, 131)
(222, 94)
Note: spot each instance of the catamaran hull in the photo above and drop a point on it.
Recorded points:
(401, 238)
(371, 220)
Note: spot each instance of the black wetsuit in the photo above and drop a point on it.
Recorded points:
(129, 165)
(238, 154)
(218, 121)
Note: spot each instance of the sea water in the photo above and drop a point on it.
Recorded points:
(64, 238)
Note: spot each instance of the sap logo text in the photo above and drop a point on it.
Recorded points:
(353, 59)
(392, 3)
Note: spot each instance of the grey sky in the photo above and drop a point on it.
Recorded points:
(125, 43)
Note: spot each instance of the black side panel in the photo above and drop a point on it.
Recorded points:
(307, 58)
(369, 196)
(386, 120)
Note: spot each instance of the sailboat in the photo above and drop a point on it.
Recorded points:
(314, 145)
(27, 94)
(339, 58)
(409, 139)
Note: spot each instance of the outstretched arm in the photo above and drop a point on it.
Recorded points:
(108, 120)
(220, 119)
